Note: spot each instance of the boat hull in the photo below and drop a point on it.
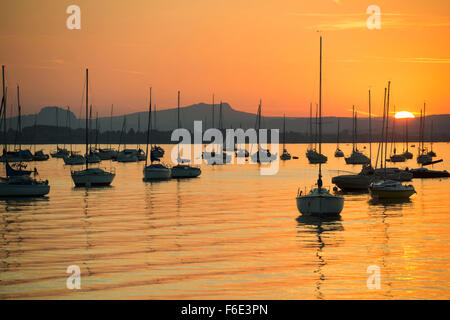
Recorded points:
(83, 179)
(391, 194)
(318, 205)
(185, 172)
(157, 173)
(34, 190)
(350, 183)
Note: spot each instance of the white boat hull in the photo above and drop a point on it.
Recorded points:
(320, 204)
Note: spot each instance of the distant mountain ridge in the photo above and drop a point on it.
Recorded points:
(166, 120)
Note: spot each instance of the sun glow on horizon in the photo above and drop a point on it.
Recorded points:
(404, 115)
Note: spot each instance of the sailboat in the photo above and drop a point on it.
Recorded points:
(395, 157)
(313, 156)
(357, 157)
(73, 158)
(261, 155)
(182, 169)
(108, 153)
(18, 183)
(285, 155)
(361, 181)
(91, 177)
(140, 155)
(60, 152)
(126, 155)
(154, 171)
(406, 153)
(38, 155)
(18, 154)
(423, 157)
(338, 153)
(385, 188)
(431, 153)
(319, 201)
(156, 151)
(210, 154)
(221, 157)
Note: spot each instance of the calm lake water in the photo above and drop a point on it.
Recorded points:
(229, 234)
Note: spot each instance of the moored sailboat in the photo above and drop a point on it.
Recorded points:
(91, 177)
(18, 182)
(319, 201)
(153, 171)
(182, 169)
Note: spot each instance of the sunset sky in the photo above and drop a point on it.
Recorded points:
(241, 50)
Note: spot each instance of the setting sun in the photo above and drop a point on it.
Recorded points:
(403, 115)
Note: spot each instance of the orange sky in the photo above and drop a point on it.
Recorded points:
(242, 50)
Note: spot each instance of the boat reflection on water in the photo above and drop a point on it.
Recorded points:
(325, 228)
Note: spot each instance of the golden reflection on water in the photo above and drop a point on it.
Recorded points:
(231, 233)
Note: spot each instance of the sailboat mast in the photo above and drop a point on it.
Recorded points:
(310, 126)
(148, 127)
(319, 181)
(353, 127)
(68, 111)
(356, 130)
(19, 120)
(370, 131)
(284, 132)
(423, 127)
(387, 126)
(110, 126)
(338, 134)
(4, 110)
(213, 107)
(178, 121)
(87, 120)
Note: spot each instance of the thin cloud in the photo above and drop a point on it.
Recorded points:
(129, 71)
(425, 60)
